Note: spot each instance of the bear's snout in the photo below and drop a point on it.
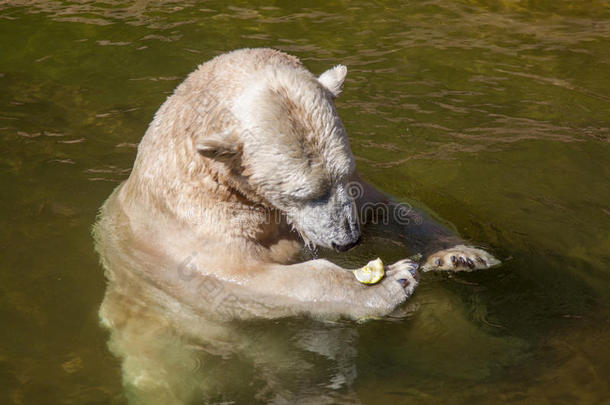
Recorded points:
(346, 247)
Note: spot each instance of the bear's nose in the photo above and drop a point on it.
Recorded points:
(345, 248)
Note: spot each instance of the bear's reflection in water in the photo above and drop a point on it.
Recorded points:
(174, 354)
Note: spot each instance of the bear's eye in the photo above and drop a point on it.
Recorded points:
(306, 194)
(320, 198)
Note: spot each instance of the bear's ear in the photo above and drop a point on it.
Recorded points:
(333, 79)
(219, 146)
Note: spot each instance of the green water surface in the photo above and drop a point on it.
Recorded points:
(495, 115)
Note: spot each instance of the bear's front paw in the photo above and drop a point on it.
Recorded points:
(460, 258)
(398, 284)
(404, 272)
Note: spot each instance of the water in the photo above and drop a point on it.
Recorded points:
(495, 115)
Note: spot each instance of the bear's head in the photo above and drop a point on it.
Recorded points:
(282, 130)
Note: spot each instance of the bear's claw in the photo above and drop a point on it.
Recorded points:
(460, 258)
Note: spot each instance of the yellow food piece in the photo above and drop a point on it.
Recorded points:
(371, 273)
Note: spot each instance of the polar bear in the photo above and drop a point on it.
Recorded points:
(243, 164)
